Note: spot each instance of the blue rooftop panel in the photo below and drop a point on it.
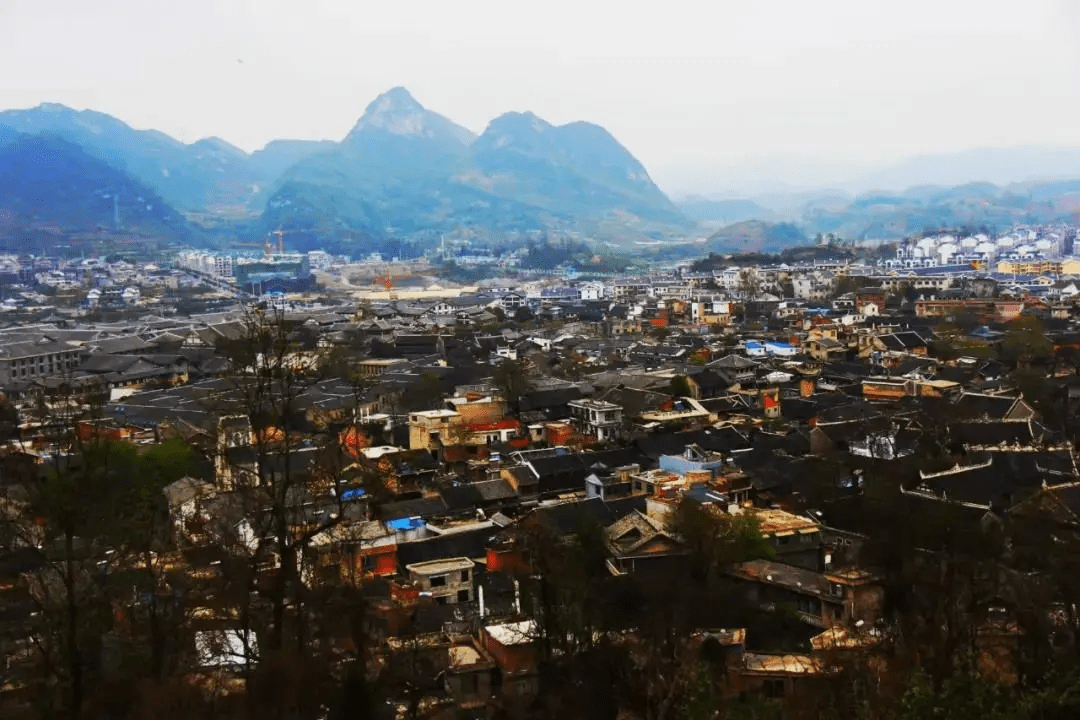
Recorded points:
(411, 523)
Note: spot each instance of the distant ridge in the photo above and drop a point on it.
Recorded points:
(405, 172)
(49, 182)
(206, 176)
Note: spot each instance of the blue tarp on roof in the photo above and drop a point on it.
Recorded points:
(353, 494)
(410, 523)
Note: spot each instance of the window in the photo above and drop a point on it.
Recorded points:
(464, 576)
(438, 581)
(463, 596)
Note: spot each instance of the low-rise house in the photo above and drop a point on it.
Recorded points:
(795, 539)
(513, 647)
(361, 551)
(694, 462)
(432, 429)
(908, 341)
(449, 581)
(640, 545)
(469, 674)
(819, 599)
(592, 291)
(185, 498)
(597, 418)
(610, 484)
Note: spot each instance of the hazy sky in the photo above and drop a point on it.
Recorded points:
(694, 89)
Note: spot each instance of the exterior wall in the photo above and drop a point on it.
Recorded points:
(883, 390)
(1002, 310)
(558, 433)
(506, 561)
(381, 561)
(592, 291)
(511, 659)
(681, 465)
(449, 581)
(801, 555)
(601, 422)
(864, 603)
(864, 302)
(481, 411)
(422, 427)
(799, 695)
(35, 366)
(818, 611)
(489, 433)
(1029, 267)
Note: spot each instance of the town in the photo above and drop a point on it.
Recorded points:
(291, 484)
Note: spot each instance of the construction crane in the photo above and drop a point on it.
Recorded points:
(388, 283)
(281, 232)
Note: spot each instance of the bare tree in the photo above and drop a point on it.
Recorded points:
(288, 473)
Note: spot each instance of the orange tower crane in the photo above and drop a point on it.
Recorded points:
(388, 283)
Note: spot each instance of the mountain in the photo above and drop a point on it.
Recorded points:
(893, 215)
(989, 165)
(578, 171)
(405, 170)
(384, 175)
(205, 175)
(756, 236)
(48, 182)
(396, 112)
(208, 176)
(271, 162)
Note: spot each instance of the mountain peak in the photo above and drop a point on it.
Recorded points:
(216, 144)
(525, 119)
(396, 99)
(397, 112)
(55, 107)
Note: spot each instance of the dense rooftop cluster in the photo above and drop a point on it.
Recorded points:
(636, 497)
